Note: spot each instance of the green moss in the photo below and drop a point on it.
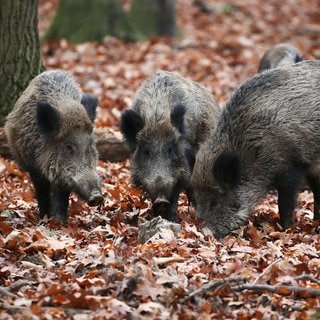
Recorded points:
(153, 17)
(81, 20)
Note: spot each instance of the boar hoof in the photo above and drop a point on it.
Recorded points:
(61, 217)
(95, 199)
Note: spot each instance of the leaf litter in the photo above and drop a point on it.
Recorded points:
(96, 267)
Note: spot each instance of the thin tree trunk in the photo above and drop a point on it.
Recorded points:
(154, 18)
(167, 18)
(19, 51)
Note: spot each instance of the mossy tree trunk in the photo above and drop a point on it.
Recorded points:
(154, 17)
(20, 53)
(83, 20)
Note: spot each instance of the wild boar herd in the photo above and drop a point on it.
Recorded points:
(267, 136)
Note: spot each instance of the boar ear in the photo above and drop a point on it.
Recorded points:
(226, 169)
(130, 124)
(177, 115)
(90, 103)
(298, 58)
(48, 119)
(190, 154)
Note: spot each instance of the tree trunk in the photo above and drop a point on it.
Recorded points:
(82, 20)
(154, 17)
(19, 51)
(167, 18)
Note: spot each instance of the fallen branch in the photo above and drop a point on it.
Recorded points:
(239, 283)
(15, 286)
(68, 311)
(266, 270)
(283, 290)
(5, 292)
(216, 283)
(110, 145)
(307, 277)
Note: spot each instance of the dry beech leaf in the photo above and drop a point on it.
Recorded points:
(96, 266)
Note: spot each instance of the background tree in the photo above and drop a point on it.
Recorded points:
(20, 53)
(153, 17)
(81, 20)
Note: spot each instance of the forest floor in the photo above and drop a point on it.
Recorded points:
(96, 268)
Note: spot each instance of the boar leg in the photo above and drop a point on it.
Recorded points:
(190, 195)
(42, 188)
(314, 183)
(59, 204)
(288, 188)
(171, 214)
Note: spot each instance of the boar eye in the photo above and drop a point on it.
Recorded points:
(213, 202)
(69, 149)
(172, 151)
(146, 153)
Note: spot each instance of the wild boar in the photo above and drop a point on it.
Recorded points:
(279, 55)
(169, 118)
(50, 134)
(268, 137)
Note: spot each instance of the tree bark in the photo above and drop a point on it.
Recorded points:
(20, 53)
(110, 145)
(154, 18)
(82, 20)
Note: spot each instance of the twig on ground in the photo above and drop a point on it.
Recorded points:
(19, 284)
(308, 277)
(214, 284)
(239, 283)
(68, 311)
(6, 292)
(266, 270)
(283, 290)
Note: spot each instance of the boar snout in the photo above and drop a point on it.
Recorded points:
(95, 198)
(161, 205)
(159, 187)
(87, 186)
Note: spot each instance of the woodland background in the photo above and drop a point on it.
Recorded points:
(96, 268)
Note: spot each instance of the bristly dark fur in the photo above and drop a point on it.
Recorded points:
(226, 169)
(48, 119)
(90, 103)
(279, 55)
(176, 117)
(130, 124)
(49, 132)
(169, 119)
(271, 125)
